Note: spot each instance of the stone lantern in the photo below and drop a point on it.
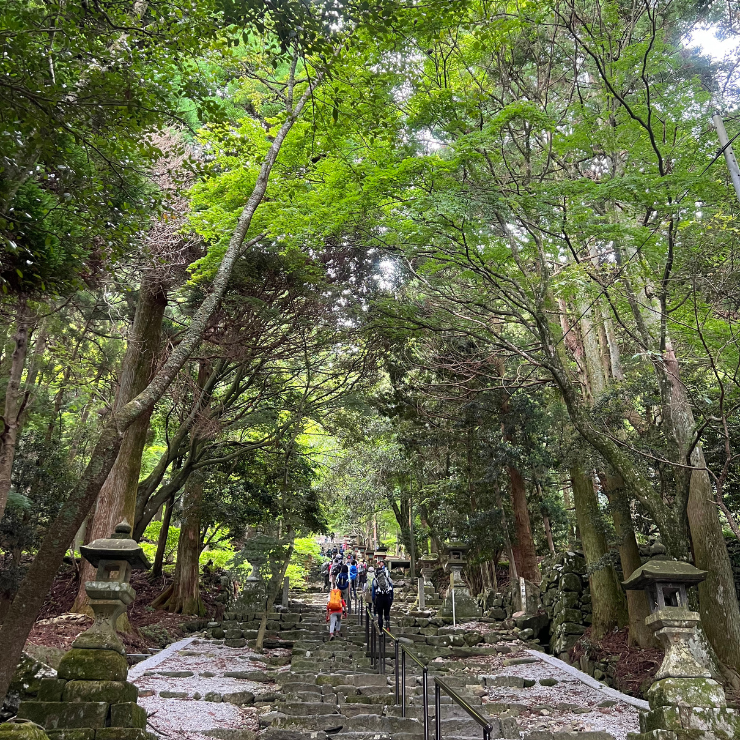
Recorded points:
(685, 702)
(90, 697)
(458, 594)
(110, 593)
(257, 548)
(427, 563)
(381, 553)
(674, 624)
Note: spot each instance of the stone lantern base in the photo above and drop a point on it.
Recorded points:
(687, 709)
(466, 607)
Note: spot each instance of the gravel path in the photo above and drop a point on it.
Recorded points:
(201, 666)
(568, 706)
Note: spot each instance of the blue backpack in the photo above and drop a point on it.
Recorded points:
(342, 581)
(353, 572)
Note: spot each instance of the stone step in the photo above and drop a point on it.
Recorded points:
(307, 708)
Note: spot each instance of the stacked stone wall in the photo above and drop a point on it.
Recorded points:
(566, 597)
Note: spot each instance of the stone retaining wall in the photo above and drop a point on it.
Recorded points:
(566, 597)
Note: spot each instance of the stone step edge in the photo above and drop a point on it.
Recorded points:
(588, 680)
(138, 670)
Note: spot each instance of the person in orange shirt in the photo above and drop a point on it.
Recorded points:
(336, 608)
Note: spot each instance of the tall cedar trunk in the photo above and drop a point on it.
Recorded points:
(183, 596)
(162, 540)
(40, 575)
(607, 598)
(13, 401)
(629, 555)
(117, 498)
(527, 565)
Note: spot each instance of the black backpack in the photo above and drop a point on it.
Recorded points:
(382, 586)
(342, 581)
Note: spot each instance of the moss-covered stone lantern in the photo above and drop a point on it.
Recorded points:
(90, 698)
(685, 702)
(674, 624)
(111, 592)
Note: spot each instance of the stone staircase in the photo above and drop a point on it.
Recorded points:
(332, 689)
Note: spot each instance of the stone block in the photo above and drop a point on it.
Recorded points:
(568, 615)
(81, 733)
(238, 697)
(213, 696)
(571, 628)
(232, 634)
(51, 689)
(692, 692)
(571, 582)
(54, 715)
(123, 733)
(218, 633)
(21, 731)
(112, 692)
(235, 643)
(128, 714)
(166, 694)
(224, 733)
(93, 665)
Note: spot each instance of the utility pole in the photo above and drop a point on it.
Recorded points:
(729, 154)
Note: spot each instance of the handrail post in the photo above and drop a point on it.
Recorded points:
(396, 668)
(382, 653)
(425, 689)
(403, 684)
(367, 630)
(372, 648)
(437, 712)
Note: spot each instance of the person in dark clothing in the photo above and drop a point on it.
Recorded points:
(382, 595)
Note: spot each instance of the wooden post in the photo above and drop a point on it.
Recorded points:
(422, 595)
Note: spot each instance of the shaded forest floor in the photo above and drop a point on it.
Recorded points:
(155, 628)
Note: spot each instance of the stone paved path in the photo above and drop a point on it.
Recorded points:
(209, 688)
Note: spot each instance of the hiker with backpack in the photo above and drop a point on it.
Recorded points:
(343, 585)
(325, 569)
(353, 577)
(362, 574)
(336, 608)
(367, 590)
(382, 594)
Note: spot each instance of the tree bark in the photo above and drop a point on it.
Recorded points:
(607, 598)
(273, 589)
(183, 596)
(548, 534)
(40, 575)
(629, 555)
(527, 564)
(13, 401)
(162, 540)
(117, 498)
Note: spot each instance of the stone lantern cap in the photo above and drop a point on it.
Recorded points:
(456, 549)
(663, 571)
(118, 547)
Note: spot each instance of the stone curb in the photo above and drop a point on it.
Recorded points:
(137, 670)
(588, 680)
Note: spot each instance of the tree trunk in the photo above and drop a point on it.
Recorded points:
(162, 540)
(183, 596)
(273, 589)
(629, 555)
(40, 575)
(13, 401)
(548, 534)
(527, 564)
(117, 498)
(609, 608)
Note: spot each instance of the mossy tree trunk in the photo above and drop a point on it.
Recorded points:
(629, 555)
(607, 598)
(274, 587)
(183, 596)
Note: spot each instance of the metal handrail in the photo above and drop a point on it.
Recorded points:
(400, 675)
(439, 686)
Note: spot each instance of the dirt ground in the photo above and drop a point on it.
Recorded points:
(56, 627)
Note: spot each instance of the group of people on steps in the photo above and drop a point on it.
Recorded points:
(344, 581)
